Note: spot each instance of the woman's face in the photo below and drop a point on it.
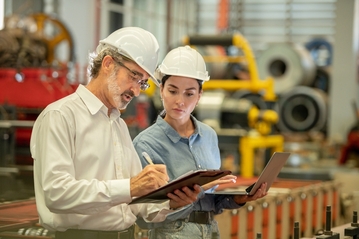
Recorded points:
(180, 96)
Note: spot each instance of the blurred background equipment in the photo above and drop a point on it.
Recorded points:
(351, 148)
(321, 51)
(33, 41)
(244, 57)
(302, 109)
(316, 61)
(289, 64)
(36, 52)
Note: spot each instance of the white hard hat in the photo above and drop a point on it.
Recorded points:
(183, 61)
(137, 44)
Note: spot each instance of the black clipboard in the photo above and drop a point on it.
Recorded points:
(189, 179)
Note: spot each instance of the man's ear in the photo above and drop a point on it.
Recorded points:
(107, 63)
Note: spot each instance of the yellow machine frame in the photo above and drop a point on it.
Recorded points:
(255, 84)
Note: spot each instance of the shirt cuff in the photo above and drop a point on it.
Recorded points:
(120, 191)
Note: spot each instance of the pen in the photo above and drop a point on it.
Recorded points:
(147, 157)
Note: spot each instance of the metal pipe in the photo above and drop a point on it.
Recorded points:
(355, 219)
(204, 40)
(328, 216)
(255, 84)
(296, 230)
(16, 123)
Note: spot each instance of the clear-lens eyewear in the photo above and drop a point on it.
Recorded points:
(136, 77)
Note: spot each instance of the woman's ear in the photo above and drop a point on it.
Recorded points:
(161, 91)
(199, 96)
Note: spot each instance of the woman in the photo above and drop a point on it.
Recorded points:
(182, 143)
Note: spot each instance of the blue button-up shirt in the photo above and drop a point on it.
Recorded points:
(200, 151)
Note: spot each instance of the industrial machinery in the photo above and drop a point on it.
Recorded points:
(35, 54)
(32, 75)
(242, 119)
(300, 84)
(352, 144)
(239, 105)
(261, 87)
(288, 201)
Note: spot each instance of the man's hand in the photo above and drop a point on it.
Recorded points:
(261, 192)
(183, 197)
(222, 180)
(149, 179)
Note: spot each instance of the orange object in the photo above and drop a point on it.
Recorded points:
(288, 201)
(223, 13)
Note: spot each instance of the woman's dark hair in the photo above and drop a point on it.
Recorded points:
(165, 78)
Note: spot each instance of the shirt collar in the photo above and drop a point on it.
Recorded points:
(172, 133)
(93, 103)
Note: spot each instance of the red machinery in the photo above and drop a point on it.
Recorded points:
(31, 77)
(352, 144)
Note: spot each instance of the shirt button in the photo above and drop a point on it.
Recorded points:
(199, 165)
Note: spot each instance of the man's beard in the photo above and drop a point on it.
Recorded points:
(115, 91)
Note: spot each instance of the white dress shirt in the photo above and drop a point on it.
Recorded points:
(83, 162)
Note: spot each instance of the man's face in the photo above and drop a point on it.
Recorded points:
(123, 83)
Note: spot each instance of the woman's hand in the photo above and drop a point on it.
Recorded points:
(222, 180)
(183, 197)
(261, 192)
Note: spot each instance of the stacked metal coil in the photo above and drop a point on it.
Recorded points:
(289, 64)
(300, 84)
(302, 109)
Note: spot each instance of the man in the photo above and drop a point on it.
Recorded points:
(86, 169)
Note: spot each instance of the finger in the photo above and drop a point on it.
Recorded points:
(175, 201)
(261, 191)
(152, 178)
(229, 177)
(174, 197)
(209, 185)
(186, 195)
(197, 189)
(192, 194)
(226, 181)
(180, 194)
(265, 191)
(180, 198)
(159, 170)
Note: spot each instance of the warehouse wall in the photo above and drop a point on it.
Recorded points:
(345, 72)
(80, 18)
(89, 21)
